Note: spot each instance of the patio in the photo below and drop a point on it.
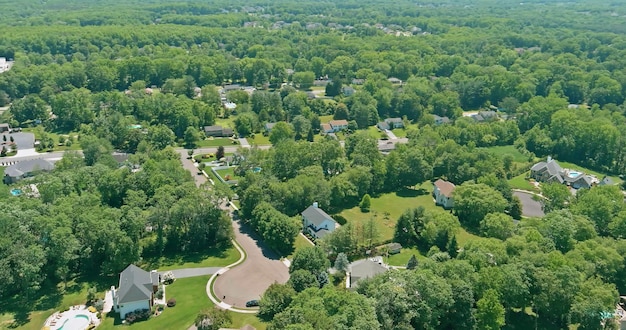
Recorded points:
(76, 318)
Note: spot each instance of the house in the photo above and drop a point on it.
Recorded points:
(395, 122)
(362, 269)
(217, 131)
(391, 248)
(383, 126)
(348, 91)
(27, 168)
(338, 125)
(136, 290)
(230, 106)
(358, 81)
(317, 222)
(395, 81)
(482, 116)
(5, 128)
(551, 171)
(229, 88)
(443, 193)
(441, 120)
(268, 127)
(321, 82)
(326, 128)
(606, 181)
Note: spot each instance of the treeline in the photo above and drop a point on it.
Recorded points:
(94, 218)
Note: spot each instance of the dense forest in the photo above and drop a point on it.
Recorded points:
(554, 71)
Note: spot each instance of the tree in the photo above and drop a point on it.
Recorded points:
(312, 259)
(303, 80)
(91, 294)
(212, 319)
(365, 203)
(489, 311)
(220, 153)
(95, 149)
(497, 225)
(412, 264)
(556, 196)
(281, 131)
(192, 135)
(452, 248)
(275, 299)
(342, 263)
(301, 126)
(472, 202)
(246, 123)
(301, 280)
(159, 136)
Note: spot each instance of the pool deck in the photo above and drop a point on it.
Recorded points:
(58, 319)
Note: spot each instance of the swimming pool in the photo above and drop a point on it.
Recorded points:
(573, 174)
(78, 322)
(16, 192)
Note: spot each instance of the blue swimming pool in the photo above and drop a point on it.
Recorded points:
(16, 192)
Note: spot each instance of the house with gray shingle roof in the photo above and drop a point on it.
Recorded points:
(136, 290)
(362, 269)
(24, 169)
(551, 171)
(317, 222)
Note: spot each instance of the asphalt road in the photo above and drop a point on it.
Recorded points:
(530, 207)
(193, 272)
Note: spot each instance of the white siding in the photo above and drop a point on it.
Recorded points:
(126, 308)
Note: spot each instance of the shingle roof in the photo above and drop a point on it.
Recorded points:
(340, 122)
(393, 120)
(365, 268)
(316, 215)
(28, 166)
(446, 188)
(135, 285)
(215, 128)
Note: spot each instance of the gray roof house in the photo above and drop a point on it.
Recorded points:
(269, 126)
(4, 127)
(217, 131)
(362, 269)
(441, 120)
(395, 122)
(551, 171)
(485, 116)
(136, 290)
(382, 125)
(25, 169)
(317, 222)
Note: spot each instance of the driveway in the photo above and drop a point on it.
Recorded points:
(22, 139)
(391, 135)
(530, 207)
(244, 143)
(190, 166)
(193, 272)
(249, 280)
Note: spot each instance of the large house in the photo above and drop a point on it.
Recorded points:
(4, 127)
(441, 120)
(136, 290)
(551, 171)
(443, 193)
(338, 125)
(362, 269)
(317, 222)
(21, 170)
(217, 131)
(390, 123)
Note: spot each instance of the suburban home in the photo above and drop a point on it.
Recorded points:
(395, 81)
(358, 81)
(321, 82)
(441, 120)
(229, 88)
(326, 128)
(348, 91)
(443, 193)
(338, 125)
(217, 131)
(394, 122)
(362, 269)
(383, 126)
(24, 169)
(4, 127)
(268, 127)
(317, 222)
(136, 290)
(482, 116)
(386, 146)
(551, 171)
(391, 248)
(606, 181)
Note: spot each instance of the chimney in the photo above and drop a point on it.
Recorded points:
(315, 205)
(549, 159)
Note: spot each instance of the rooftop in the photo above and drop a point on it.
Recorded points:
(446, 188)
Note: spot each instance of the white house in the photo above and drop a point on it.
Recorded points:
(338, 125)
(317, 222)
(443, 193)
(136, 290)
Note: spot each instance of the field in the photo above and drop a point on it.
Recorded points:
(208, 258)
(520, 182)
(399, 132)
(501, 151)
(38, 131)
(387, 208)
(298, 244)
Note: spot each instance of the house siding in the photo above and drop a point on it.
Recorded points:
(126, 308)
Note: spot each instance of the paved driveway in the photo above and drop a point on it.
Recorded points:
(22, 139)
(193, 272)
(189, 165)
(530, 207)
(249, 280)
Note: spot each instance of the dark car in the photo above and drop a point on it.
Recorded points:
(252, 303)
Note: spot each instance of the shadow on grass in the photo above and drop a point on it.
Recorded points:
(265, 249)
(179, 258)
(407, 192)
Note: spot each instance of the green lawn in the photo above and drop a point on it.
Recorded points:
(226, 122)
(376, 133)
(402, 258)
(520, 182)
(298, 244)
(387, 208)
(228, 171)
(4, 189)
(399, 132)
(259, 140)
(599, 175)
(511, 150)
(39, 132)
(216, 142)
(326, 119)
(208, 258)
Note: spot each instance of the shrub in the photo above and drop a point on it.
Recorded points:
(340, 219)
(138, 315)
(171, 302)
(99, 305)
(159, 293)
(168, 278)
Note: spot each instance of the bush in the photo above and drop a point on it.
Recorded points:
(138, 315)
(159, 293)
(340, 219)
(99, 305)
(168, 278)
(171, 302)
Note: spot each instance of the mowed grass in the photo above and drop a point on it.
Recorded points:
(216, 142)
(501, 151)
(387, 208)
(402, 258)
(208, 258)
(299, 243)
(326, 119)
(399, 132)
(259, 140)
(376, 133)
(228, 172)
(599, 175)
(520, 182)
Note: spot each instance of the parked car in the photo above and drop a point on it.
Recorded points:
(252, 303)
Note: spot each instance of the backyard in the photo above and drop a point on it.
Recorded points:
(216, 142)
(520, 182)
(228, 174)
(501, 151)
(259, 140)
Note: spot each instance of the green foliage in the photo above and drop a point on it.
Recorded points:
(497, 225)
(365, 203)
(412, 264)
(281, 131)
(212, 319)
(472, 202)
(275, 299)
(489, 311)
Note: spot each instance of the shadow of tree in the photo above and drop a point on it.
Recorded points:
(408, 192)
